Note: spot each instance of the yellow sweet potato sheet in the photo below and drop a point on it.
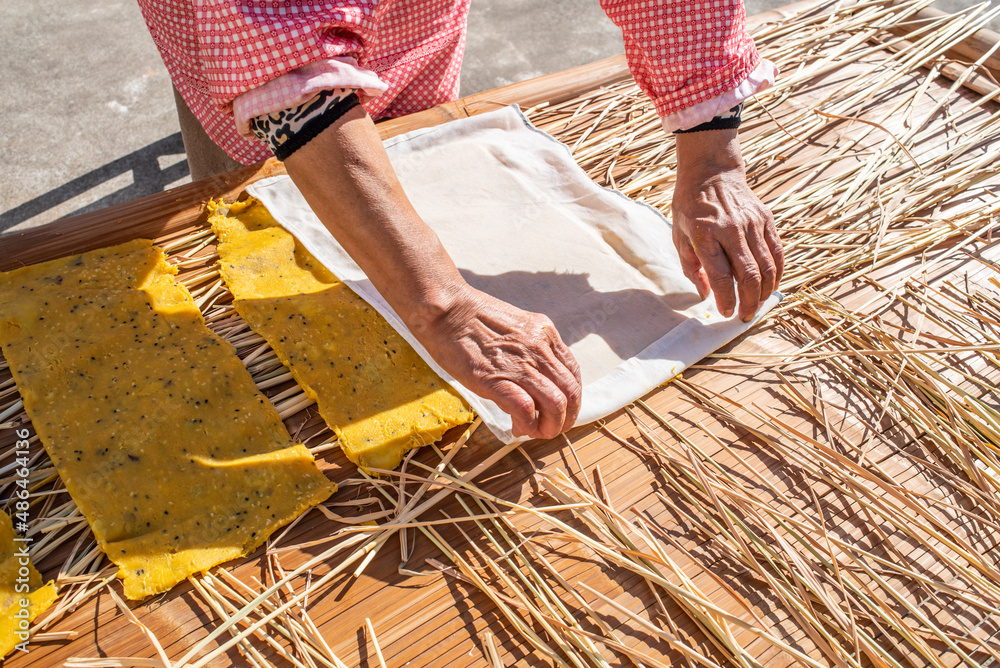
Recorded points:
(371, 387)
(175, 458)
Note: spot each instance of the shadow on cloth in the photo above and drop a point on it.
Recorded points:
(625, 319)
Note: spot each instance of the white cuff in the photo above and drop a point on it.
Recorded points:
(292, 89)
(760, 79)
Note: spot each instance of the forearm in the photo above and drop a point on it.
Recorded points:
(701, 154)
(510, 356)
(345, 176)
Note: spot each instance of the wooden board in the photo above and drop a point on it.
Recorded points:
(434, 619)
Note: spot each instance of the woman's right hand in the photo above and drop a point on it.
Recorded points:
(513, 357)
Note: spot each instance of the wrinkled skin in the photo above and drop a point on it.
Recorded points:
(514, 357)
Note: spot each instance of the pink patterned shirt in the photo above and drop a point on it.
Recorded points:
(233, 60)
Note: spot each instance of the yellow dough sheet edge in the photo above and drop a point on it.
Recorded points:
(372, 389)
(174, 457)
(22, 595)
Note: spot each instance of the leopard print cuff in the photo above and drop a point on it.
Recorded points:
(289, 130)
(729, 120)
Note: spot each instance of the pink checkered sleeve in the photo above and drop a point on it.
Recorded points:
(246, 44)
(685, 52)
(219, 50)
(761, 78)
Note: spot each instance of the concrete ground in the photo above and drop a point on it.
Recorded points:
(90, 112)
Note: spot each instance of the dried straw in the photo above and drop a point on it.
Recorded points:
(858, 505)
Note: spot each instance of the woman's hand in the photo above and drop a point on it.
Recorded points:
(515, 358)
(721, 229)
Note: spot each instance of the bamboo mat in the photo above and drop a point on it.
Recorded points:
(818, 493)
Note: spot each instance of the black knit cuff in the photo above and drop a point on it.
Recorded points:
(289, 130)
(727, 121)
(316, 125)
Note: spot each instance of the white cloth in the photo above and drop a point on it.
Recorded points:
(524, 223)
